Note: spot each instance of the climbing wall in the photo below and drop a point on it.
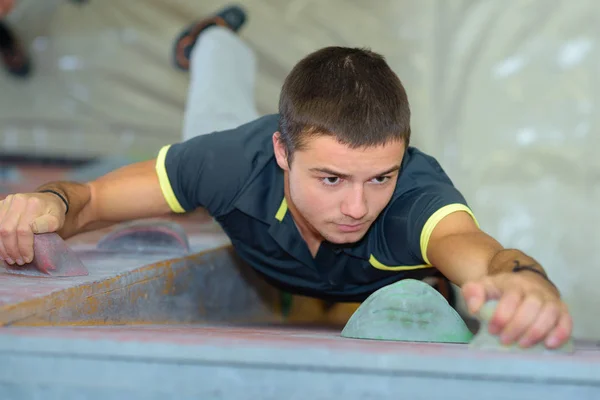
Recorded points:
(191, 362)
(204, 325)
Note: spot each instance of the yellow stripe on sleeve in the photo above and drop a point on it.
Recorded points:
(165, 184)
(435, 219)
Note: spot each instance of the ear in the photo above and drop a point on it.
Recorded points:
(280, 151)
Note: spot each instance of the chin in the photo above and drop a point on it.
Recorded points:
(345, 238)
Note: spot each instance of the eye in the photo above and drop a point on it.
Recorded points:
(381, 179)
(330, 180)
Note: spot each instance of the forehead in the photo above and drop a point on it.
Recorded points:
(327, 151)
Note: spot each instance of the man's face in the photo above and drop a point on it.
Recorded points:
(338, 191)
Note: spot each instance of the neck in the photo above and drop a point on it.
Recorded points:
(312, 238)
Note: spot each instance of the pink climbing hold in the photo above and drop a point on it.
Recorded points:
(52, 258)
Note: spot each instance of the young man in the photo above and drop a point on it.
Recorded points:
(325, 199)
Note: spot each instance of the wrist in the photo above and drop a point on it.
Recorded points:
(506, 260)
(531, 270)
(61, 196)
(517, 262)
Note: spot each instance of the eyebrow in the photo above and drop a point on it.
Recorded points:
(346, 176)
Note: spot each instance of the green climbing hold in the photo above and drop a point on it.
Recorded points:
(408, 310)
(484, 340)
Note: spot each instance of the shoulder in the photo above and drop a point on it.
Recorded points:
(418, 170)
(211, 170)
(233, 151)
(244, 140)
(424, 195)
(423, 188)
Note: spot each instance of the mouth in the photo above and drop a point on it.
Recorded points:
(350, 228)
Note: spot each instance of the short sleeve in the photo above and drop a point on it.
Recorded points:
(206, 171)
(426, 195)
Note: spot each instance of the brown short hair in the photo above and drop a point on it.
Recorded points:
(349, 93)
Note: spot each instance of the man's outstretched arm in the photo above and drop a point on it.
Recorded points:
(530, 309)
(128, 193)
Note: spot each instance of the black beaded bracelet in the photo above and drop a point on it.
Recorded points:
(519, 268)
(59, 195)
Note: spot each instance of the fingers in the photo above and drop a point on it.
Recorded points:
(16, 206)
(529, 312)
(524, 317)
(546, 320)
(505, 311)
(45, 223)
(528, 320)
(475, 296)
(477, 293)
(19, 213)
(3, 211)
(562, 331)
(538, 320)
(25, 232)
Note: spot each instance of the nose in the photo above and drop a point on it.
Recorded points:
(355, 204)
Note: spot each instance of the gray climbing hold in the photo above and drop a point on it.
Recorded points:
(484, 340)
(146, 236)
(408, 310)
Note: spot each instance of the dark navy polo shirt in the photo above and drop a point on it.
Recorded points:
(234, 175)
